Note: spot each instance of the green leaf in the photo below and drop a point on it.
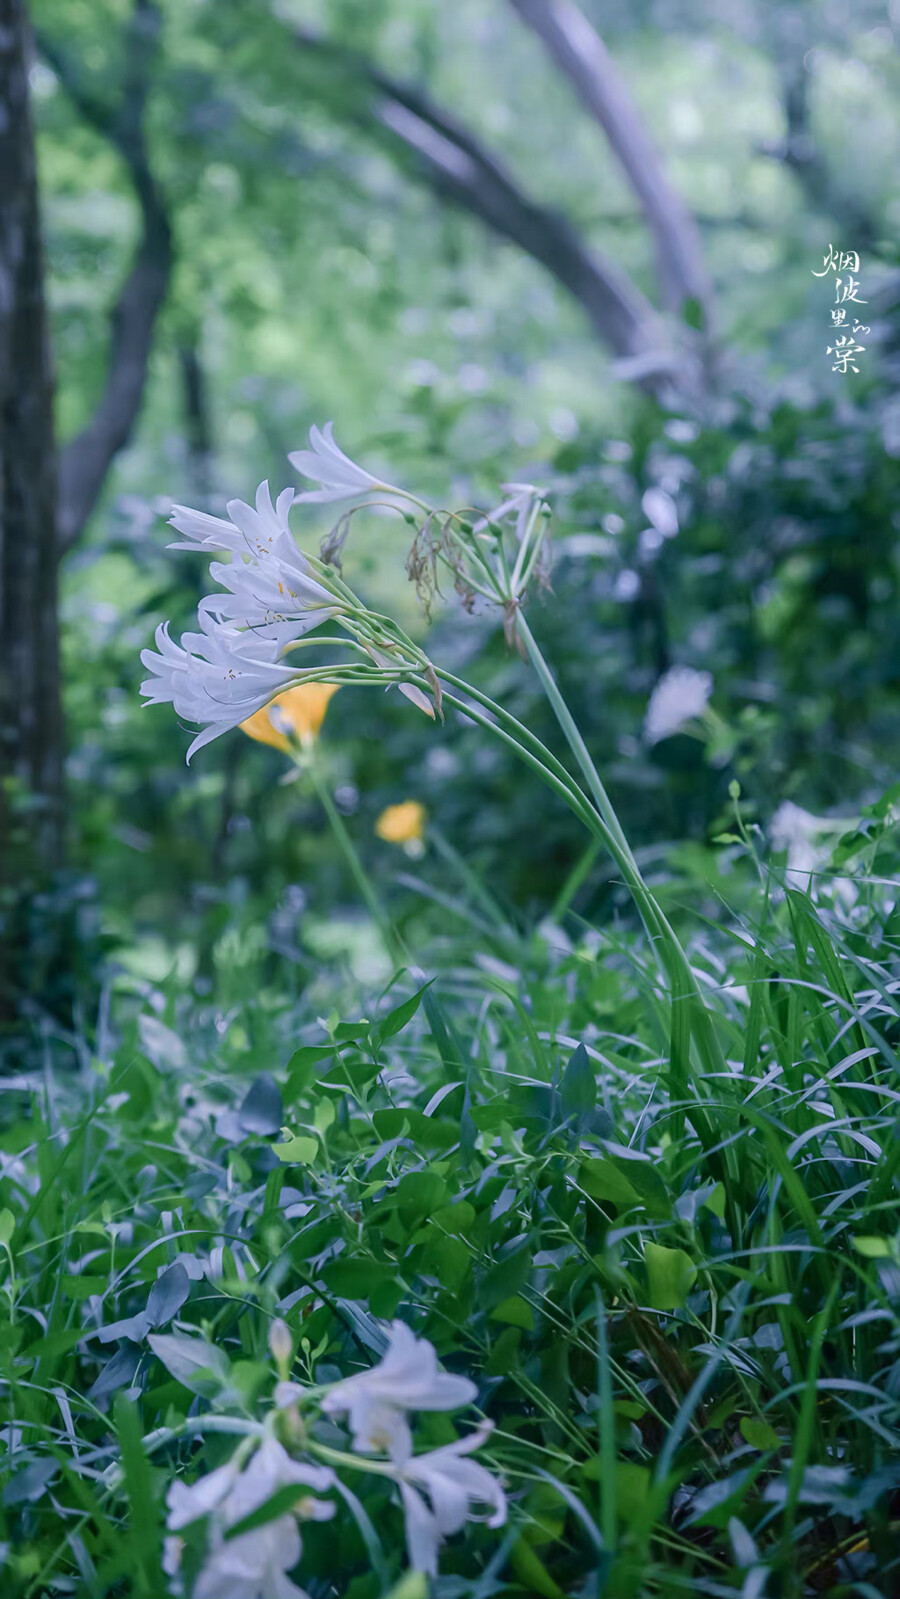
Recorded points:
(414, 1585)
(670, 1275)
(358, 1279)
(143, 1524)
(79, 1288)
(303, 1068)
(602, 1180)
(578, 1088)
(297, 1151)
(422, 1191)
(516, 1312)
(199, 1366)
(533, 1574)
(758, 1434)
(7, 1226)
(506, 1278)
(873, 1248)
(395, 1020)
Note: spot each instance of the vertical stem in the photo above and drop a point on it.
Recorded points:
(392, 939)
(689, 1013)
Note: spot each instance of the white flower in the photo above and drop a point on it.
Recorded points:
(795, 830)
(659, 508)
(218, 677)
(338, 477)
(406, 1379)
(452, 1484)
(253, 1565)
(277, 598)
(270, 583)
(204, 533)
(680, 695)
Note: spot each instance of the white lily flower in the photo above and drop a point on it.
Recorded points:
(276, 598)
(406, 1379)
(248, 532)
(253, 1565)
(681, 695)
(338, 477)
(218, 677)
(204, 533)
(452, 1484)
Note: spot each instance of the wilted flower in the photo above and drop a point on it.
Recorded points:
(252, 1565)
(452, 1484)
(681, 695)
(297, 713)
(406, 1379)
(338, 477)
(402, 824)
(410, 691)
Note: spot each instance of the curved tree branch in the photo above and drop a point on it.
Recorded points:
(85, 461)
(583, 58)
(459, 167)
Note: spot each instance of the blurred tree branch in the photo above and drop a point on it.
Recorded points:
(459, 167)
(798, 151)
(583, 58)
(85, 461)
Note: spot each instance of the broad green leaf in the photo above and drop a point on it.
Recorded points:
(297, 1151)
(515, 1311)
(578, 1088)
(199, 1366)
(395, 1020)
(670, 1276)
(872, 1247)
(759, 1434)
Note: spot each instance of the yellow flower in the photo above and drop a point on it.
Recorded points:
(301, 712)
(402, 824)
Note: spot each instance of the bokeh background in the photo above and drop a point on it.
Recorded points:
(410, 218)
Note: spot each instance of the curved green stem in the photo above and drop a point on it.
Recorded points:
(689, 1013)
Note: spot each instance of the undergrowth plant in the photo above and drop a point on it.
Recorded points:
(567, 1264)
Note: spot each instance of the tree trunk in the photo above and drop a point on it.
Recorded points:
(31, 734)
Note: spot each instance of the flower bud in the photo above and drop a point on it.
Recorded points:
(281, 1346)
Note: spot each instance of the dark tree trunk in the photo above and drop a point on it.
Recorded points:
(31, 738)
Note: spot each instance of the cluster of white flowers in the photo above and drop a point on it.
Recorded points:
(437, 1489)
(254, 1564)
(681, 695)
(270, 596)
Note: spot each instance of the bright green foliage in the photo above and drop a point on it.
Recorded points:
(690, 1378)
